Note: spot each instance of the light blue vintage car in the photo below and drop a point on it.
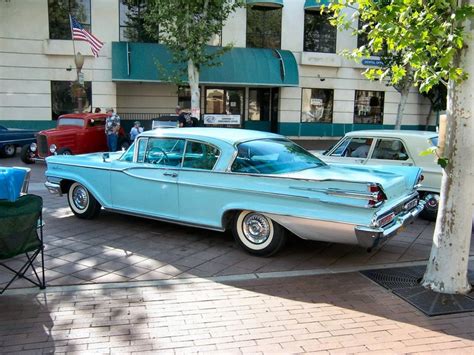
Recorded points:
(260, 185)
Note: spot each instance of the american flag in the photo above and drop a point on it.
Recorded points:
(80, 34)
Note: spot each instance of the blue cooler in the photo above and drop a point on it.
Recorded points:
(11, 183)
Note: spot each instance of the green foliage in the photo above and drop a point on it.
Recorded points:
(421, 37)
(187, 26)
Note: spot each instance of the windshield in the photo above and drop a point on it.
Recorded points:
(272, 156)
(71, 122)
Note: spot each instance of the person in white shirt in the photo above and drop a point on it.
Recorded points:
(135, 131)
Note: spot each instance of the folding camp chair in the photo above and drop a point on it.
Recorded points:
(21, 232)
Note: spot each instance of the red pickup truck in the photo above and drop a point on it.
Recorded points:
(74, 134)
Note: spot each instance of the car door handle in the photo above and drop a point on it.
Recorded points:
(170, 174)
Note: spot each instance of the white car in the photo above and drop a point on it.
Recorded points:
(392, 147)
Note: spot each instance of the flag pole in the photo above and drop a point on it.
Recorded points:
(72, 35)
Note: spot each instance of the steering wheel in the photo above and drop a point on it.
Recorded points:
(164, 157)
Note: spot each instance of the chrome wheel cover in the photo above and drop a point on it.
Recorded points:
(9, 149)
(256, 228)
(432, 201)
(80, 197)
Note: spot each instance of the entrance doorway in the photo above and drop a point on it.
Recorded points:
(263, 109)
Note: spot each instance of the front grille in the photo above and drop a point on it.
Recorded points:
(42, 145)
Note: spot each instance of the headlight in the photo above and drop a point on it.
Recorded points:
(52, 148)
(33, 147)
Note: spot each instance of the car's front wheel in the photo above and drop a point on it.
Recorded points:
(430, 212)
(258, 234)
(8, 151)
(26, 154)
(82, 203)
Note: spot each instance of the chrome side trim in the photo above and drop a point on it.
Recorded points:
(339, 192)
(165, 219)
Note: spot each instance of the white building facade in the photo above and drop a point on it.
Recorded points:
(309, 91)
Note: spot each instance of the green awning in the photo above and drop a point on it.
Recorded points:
(315, 4)
(269, 3)
(240, 66)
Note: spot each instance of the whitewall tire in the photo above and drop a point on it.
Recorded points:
(81, 202)
(258, 234)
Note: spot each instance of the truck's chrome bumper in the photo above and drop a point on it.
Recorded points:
(372, 237)
(53, 188)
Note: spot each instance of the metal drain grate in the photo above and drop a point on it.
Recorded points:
(404, 282)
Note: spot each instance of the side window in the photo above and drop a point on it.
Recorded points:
(353, 147)
(164, 151)
(200, 156)
(341, 148)
(142, 144)
(390, 149)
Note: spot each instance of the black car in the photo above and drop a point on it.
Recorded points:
(12, 138)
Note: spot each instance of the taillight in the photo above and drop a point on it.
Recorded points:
(377, 195)
(420, 180)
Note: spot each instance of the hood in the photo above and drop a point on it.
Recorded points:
(395, 181)
(59, 130)
(92, 159)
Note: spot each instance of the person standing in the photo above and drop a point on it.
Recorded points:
(112, 127)
(135, 131)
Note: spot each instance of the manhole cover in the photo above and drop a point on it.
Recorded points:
(404, 282)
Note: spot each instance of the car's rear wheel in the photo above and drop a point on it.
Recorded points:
(258, 234)
(81, 202)
(430, 212)
(26, 154)
(8, 151)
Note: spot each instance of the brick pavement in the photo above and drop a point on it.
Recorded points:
(327, 314)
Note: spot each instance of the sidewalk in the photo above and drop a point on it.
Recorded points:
(327, 314)
(124, 285)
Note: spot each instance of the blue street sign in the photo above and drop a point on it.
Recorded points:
(372, 62)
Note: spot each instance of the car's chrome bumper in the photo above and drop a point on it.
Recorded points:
(53, 188)
(369, 238)
(347, 233)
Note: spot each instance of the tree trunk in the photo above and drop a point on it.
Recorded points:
(401, 105)
(448, 264)
(193, 77)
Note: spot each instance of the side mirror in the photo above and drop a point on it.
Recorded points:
(105, 156)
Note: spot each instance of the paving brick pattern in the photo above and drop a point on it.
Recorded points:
(328, 314)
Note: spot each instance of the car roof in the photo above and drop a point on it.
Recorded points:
(84, 115)
(228, 135)
(393, 133)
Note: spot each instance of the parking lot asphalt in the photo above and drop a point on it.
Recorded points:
(127, 284)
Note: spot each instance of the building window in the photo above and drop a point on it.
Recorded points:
(58, 12)
(317, 105)
(319, 34)
(224, 101)
(65, 97)
(368, 107)
(184, 97)
(132, 22)
(264, 27)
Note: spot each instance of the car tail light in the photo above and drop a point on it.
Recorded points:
(385, 219)
(377, 196)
